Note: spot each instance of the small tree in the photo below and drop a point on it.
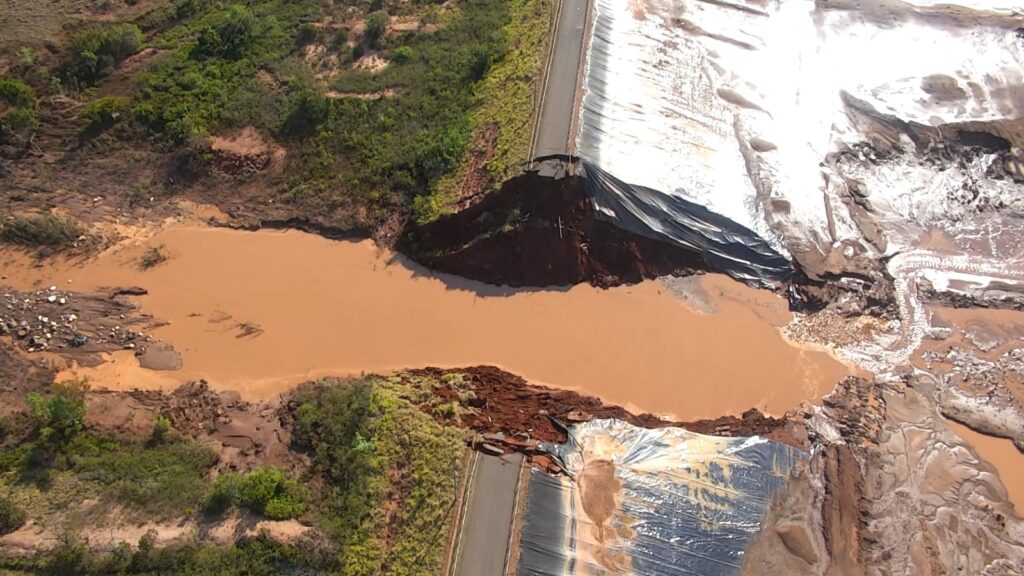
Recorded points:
(403, 54)
(11, 517)
(60, 415)
(376, 26)
(160, 429)
(232, 38)
(96, 50)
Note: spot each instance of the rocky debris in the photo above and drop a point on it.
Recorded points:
(516, 414)
(1006, 298)
(986, 395)
(869, 293)
(245, 435)
(80, 325)
(930, 500)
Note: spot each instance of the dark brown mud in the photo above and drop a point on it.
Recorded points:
(539, 231)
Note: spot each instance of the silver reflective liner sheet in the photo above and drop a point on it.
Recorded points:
(650, 502)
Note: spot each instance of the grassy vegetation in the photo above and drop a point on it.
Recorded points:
(390, 474)
(380, 488)
(250, 557)
(18, 105)
(380, 119)
(11, 516)
(59, 463)
(266, 491)
(46, 231)
(96, 50)
(508, 95)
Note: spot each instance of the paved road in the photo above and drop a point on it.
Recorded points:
(558, 106)
(485, 533)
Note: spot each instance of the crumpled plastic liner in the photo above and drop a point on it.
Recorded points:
(724, 245)
(684, 504)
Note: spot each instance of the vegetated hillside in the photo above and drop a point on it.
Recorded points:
(152, 483)
(350, 114)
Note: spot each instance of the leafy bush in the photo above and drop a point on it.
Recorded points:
(402, 54)
(224, 493)
(376, 25)
(19, 122)
(373, 448)
(11, 517)
(62, 413)
(95, 51)
(258, 556)
(161, 428)
(231, 38)
(307, 112)
(20, 117)
(105, 112)
(17, 94)
(307, 34)
(265, 491)
(164, 479)
(41, 231)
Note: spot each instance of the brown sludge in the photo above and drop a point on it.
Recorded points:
(326, 307)
(1002, 455)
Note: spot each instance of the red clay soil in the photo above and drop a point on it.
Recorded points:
(541, 232)
(506, 403)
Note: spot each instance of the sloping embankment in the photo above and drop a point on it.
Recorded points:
(540, 232)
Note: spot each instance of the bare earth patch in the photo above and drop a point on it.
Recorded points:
(386, 93)
(371, 62)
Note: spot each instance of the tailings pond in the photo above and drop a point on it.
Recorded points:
(259, 312)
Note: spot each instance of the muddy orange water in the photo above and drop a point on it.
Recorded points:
(339, 308)
(1002, 455)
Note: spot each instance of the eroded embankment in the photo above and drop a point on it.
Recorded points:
(539, 231)
(260, 312)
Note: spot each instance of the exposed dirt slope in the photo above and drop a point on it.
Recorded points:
(507, 404)
(539, 232)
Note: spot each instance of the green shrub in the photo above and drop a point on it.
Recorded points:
(265, 491)
(20, 117)
(95, 51)
(187, 8)
(370, 446)
(18, 122)
(402, 54)
(307, 111)
(61, 413)
(41, 231)
(340, 38)
(224, 493)
(105, 112)
(11, 517)
(235, 35)
(164, 480)
(376, 26)
(17, 94)
(307, 34)
(161, 428)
